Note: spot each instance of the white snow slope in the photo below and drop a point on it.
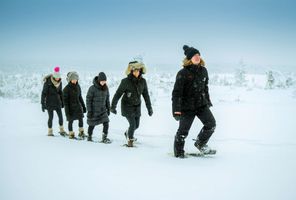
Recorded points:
(255, 139)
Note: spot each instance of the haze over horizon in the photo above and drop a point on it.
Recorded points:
(112, 32)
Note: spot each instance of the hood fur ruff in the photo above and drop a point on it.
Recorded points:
(133, 66)
(187, 62)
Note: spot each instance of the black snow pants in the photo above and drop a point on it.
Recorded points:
(50, 117)
(134, 123)
(209, 124)
(105, 129)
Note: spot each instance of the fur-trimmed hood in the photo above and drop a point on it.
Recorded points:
(187, 62)
(50, 78)
(135, 65)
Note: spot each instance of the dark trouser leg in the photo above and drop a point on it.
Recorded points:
(137, 122)
(50, 117)
(60, 115)
(70, 125)
(105, 128)
(132, 126)
(90, 130)
(209, 124)
(80, 122)
(184, 127)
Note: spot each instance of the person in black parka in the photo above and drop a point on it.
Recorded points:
(52, 99)
(132, 88)
(74, 104)
(98, 106)
(190, 98)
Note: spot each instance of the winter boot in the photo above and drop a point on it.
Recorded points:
(71, 135)
(62, 131)
(50, 132)
(81, 134)
(203, 148)
(105, 139)
(126, 136)
(179, 146)
(130, 143)
(89, 138)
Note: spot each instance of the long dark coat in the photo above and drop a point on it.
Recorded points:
(97, 103)
(132, 89)
(191, 90)
(51, 96)
(73, 101)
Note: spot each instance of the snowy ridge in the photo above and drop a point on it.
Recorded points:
(28, 85)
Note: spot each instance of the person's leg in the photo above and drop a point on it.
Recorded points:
(49, 123)
(60, 116)
(137, 119)
(105, 133)
(90, 132)
(185, 123)
(132, 127)
(81, 130)
(70, 128)
(209, 124)
(105, 128)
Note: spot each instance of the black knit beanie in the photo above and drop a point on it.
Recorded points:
(190, 51)
(102, 76)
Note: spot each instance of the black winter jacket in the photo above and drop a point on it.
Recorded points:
(191, 89)
(97, 103)
(132, 88)
(73, 101)
(51, 96)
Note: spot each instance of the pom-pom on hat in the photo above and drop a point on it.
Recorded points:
(190, 51)
(56, 74)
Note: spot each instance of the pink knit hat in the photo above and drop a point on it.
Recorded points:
(56, 74)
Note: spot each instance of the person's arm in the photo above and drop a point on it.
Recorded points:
(89, 99)
(207, 95)
(177, 94)
(117, 95)
(81, 100)
(147, 98)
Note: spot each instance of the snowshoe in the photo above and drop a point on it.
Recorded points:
(106, 141)
(63, 133)
(81, 135)
(206, 150)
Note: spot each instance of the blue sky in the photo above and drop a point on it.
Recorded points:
(72, 32)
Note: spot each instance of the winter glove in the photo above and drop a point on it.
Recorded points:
(84, 109)
(113, 110)
(62, 105)
(150, 112)
(177, 117)
(108, 112)
(89, 114)
(43, 107)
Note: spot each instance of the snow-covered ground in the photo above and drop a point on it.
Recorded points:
(255, 139)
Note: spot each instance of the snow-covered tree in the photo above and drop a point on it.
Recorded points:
(240, 75)
(270, 83)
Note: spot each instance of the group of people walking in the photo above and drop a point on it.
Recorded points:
(190, 98)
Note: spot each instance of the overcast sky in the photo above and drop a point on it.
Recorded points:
(112, 32)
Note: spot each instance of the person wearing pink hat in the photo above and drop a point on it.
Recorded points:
(52, 99)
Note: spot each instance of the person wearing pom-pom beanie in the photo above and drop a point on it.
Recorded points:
(52, 99)
(190, 99)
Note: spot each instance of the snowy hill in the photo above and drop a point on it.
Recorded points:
(255, 139)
